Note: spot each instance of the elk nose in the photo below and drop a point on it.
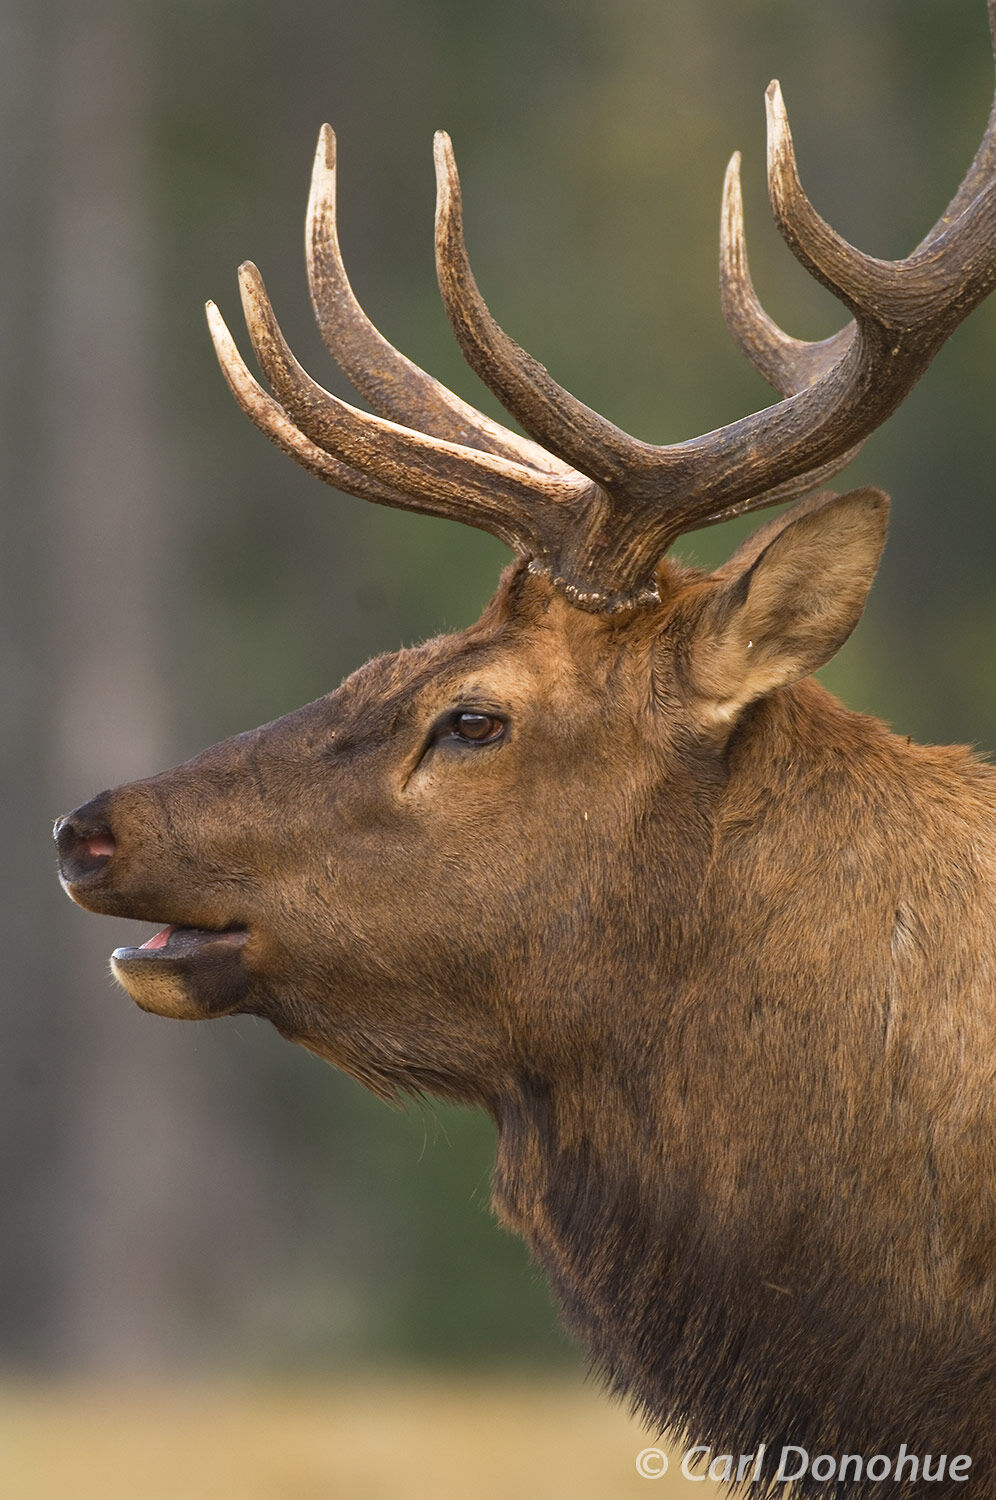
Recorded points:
(84, 841)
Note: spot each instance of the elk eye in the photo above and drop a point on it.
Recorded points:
(470, 728)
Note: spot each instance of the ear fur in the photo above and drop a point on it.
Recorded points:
(787, 600)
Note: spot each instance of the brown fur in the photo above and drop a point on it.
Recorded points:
(716, 953)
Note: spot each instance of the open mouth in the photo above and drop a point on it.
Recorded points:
(175, 941)
(188, 973)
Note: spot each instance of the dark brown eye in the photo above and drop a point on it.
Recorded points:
(476, 729)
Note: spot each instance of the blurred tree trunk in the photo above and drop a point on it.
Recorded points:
(96, 1239)
(24, 1097)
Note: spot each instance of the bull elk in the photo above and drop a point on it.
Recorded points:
(717, 954)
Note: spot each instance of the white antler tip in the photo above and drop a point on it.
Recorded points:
(324, 154)
(216, 323)
(447, 180)
(732, 251)
(775, 107)
(781, 154)
(321, 198)
(443, 158)
(252, 291)
(224, 344)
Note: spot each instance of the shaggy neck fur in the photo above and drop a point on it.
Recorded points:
(703, 1197)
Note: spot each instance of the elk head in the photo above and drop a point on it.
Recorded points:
(487, 866)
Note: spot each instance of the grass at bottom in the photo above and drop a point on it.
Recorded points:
(373, 1438)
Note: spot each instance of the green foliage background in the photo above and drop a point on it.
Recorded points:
(299, 1223)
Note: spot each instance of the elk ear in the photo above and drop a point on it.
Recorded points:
(788, 599)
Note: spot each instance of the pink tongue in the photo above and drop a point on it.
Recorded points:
(161, 938)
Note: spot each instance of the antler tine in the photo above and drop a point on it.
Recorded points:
(904, 310)
(435, 476)
(933, 288)
(787, 364)
(936, 285)
(272, 420)
(853, 277)
(555, 418)
(395, 386)
(791, 364)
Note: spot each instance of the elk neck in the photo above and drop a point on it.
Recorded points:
(692, 1168)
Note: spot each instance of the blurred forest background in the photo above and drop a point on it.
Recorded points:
(181, 1198)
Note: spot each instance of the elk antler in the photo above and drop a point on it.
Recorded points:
(592, 507)
(394, 386)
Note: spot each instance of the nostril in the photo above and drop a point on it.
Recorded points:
(101, 846)
(85, 844)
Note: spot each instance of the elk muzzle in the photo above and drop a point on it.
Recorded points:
(186, 971)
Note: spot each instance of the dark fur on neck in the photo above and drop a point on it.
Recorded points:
(702, 1196)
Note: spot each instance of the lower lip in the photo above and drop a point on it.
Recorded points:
(191, 975)
(182, 942)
